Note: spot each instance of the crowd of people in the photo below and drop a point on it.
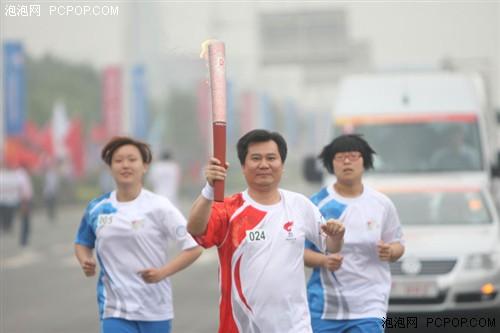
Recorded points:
(265, 236)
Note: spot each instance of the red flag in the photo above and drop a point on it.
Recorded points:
(31, 132)
(98, 134)
(37, 138)
(45, 140)
(75, 147)
(17, 153)
(112, 100)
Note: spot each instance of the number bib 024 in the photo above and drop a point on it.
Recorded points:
(258, 235)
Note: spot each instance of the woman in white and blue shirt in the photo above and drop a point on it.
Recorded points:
(348, 291)
(130, 229)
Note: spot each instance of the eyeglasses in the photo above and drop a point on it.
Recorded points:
(351, 155)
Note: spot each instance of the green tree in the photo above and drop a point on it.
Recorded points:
(49, 79)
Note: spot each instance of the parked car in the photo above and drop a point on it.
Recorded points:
(452, 260)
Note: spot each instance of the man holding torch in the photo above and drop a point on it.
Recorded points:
(260, 236)
(259, 232)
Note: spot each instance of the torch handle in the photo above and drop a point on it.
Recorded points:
(219, 130)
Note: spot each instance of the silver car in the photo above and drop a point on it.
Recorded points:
(452, 259)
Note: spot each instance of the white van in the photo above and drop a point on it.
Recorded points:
(421, 122)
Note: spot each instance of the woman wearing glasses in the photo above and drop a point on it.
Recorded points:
(349, 291)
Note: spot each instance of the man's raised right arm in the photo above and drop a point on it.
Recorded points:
(202, 207)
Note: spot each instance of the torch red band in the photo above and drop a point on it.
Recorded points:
(219, 130)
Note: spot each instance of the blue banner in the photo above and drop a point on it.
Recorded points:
(140, 114)
(14, 85)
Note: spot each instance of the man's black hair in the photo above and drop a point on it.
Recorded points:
(260, 135)
(345, 143)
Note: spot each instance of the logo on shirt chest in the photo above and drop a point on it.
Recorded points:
(104, 219)
(372, 225)
(137, 224)
(288, 227)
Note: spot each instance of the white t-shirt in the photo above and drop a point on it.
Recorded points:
(164, 176)
(26, 186)
(130, 237)
(360, 287)
(11, 184)
(261, 256)
(51, 184)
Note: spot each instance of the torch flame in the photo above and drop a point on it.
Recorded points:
(204, 48)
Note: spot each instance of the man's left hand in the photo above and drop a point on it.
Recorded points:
(333, 229)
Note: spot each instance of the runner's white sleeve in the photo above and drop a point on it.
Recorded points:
(313, 223)
(175, 223)
(391, 227)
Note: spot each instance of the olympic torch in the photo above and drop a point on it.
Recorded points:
(217, 69)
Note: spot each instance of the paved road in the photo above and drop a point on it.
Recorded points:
(44, 291)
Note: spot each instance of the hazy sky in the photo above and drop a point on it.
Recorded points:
(399, 32)
(408, 30)
(94, 39)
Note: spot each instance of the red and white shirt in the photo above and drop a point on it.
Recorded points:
(261, 255)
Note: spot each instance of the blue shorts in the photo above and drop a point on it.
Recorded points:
(119, 325)
(365, 325)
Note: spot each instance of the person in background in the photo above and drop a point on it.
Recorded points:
(26, 204)
(130, 229)
(164, 177)
(348, 291)
(10, 198)
(51, 188)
